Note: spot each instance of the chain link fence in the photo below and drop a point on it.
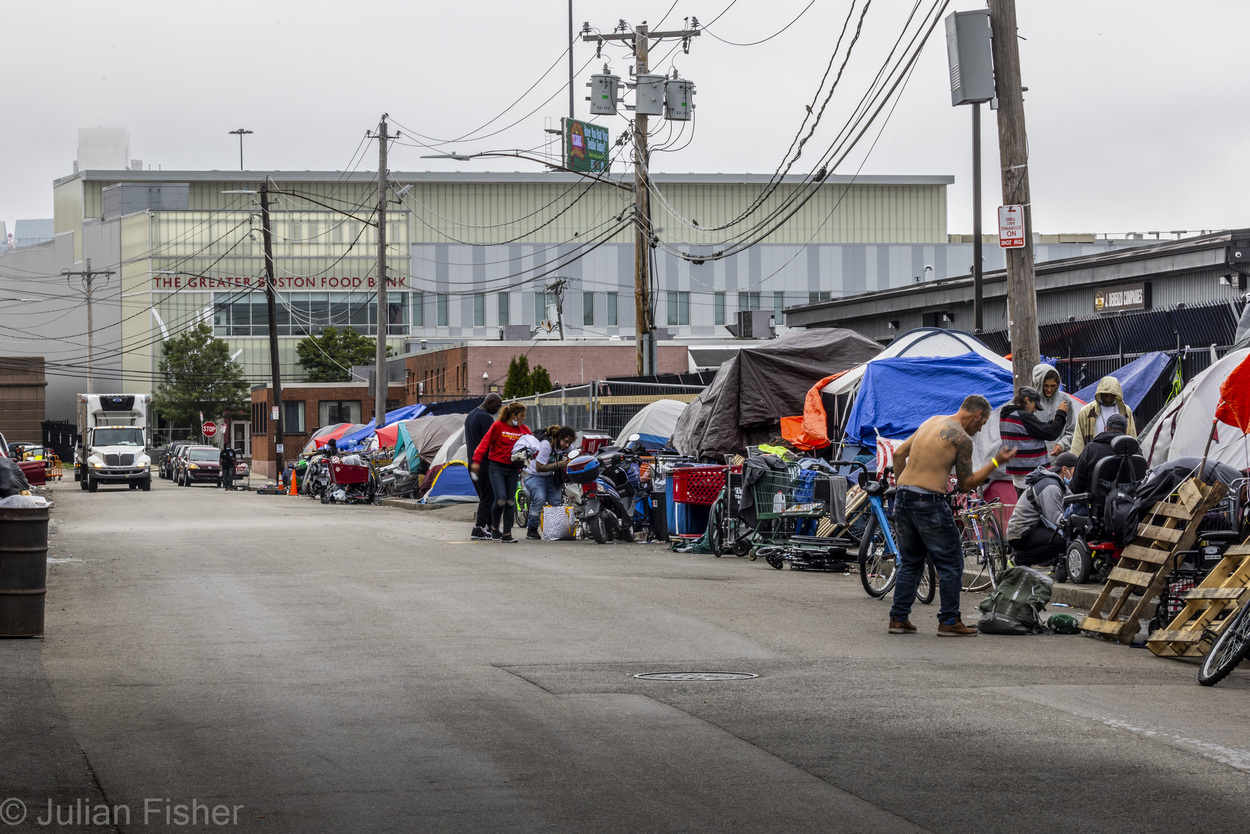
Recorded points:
(600, 406)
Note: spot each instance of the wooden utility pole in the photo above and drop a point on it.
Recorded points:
(1014, 154)
(275, 367)
(379, 398)
(87, 276)
(640, 40)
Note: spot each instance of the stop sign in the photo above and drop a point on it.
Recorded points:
(210, 428)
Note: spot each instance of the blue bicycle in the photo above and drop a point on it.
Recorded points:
(879, 558)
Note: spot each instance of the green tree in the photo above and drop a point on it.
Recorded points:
(330, 356)
(517, 383)
(540, 380)
(198, 376)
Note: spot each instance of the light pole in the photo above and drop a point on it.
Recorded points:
(241, 132)
(485, 383)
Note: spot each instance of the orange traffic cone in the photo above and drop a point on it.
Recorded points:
(294, 484)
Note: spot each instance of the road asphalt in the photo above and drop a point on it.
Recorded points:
(267, 663)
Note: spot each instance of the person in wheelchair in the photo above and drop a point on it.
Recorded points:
(1092, 543)
(1033, 532)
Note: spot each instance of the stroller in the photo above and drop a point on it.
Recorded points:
(351, 482)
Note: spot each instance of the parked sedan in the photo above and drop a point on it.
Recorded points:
(169, 462)
(197, 465)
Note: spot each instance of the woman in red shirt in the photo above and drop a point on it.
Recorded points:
(496, 449)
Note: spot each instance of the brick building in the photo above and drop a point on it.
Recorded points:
(475, 368)
(22, 391)
(307, 407)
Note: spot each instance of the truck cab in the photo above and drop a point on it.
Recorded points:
(114, 441)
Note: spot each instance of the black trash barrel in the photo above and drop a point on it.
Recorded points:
(23, 570)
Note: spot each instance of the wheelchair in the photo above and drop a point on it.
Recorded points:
(1089, 551)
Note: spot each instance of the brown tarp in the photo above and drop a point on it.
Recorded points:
(754, 390)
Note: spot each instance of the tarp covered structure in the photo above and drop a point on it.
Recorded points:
(896, 395)
(421, 439)
(453, 447)
(1181, 429)
(654, 424)
(754, 390)
(359, 438)
(323, 435)
(1136, 379)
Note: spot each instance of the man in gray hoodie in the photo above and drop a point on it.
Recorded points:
(1033, 532)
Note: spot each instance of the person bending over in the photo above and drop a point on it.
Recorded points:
(925, 523)
(1033, 532)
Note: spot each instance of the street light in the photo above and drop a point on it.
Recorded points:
(485, 382)
(241, 132)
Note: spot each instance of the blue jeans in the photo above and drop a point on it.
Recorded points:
(503, 478)
(927, 527)
(543, 491)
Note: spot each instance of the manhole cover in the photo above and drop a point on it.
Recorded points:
(696, 676)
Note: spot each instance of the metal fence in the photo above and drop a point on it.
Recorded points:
(600, 406)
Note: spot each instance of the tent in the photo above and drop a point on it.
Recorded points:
(1136, 379)
(933, 385)
(1182, 427)
(452, 485)
(654, 424)
(360, 437)
(422, 438)
(453, 447)
(760, 385)
(323, 435)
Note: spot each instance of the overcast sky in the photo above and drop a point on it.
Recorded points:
(1136, 110)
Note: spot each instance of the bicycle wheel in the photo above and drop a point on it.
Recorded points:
(522, 500)
(1228, 651)
(877, 569)
(985, 553)
(926, 589)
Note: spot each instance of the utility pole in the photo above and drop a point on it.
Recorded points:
(271, 303)
(640, 39)
(557, 287)
(379, 397)
(87, 276)
(978, 296)
(571, 71)
(241, 132)
(1013, 151)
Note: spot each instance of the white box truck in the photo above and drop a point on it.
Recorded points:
(114, 445)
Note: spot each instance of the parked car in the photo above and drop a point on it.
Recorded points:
(166, 467)
(198, 465)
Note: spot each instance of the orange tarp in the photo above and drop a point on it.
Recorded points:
(809, 431)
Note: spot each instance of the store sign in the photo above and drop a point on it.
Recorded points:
(286, 282)
(586, 147)
(1123, 297)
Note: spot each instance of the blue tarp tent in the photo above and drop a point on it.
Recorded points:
(452, 485)
(898, 394)
(1136, 379)
(357, 439)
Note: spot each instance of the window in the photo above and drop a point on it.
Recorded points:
(748, 301)
(779, 305)
(441, 307)
(331, 412)
(816, 297)
(293, 417)
(479, 309)
(418, 309)
(504, 312)
(542, 301)
(679, 308)
(613, 317)
(588, 309)
(718, 307)
(302, 314)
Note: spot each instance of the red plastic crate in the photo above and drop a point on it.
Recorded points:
(698, 484)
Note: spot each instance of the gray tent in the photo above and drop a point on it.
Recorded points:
(754, 390)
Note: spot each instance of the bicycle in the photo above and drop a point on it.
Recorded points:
(1229, 650)
(879, 557)
(984, 549)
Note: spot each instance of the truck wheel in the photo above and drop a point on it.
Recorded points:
(92, 483)
(146, 484)
(82, 481)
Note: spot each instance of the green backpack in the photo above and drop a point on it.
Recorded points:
(1016, 605)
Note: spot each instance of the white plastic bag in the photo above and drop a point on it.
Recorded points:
(556, 523)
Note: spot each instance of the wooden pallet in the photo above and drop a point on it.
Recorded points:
(1168, 529)
(1208, 608)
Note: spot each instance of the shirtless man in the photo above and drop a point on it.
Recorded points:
(924, 521)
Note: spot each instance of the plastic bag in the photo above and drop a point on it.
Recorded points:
(12, 479)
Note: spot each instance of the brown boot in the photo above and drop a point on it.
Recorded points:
(955, 629)
(905, 627)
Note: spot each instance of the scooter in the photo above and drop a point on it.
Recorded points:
(621, 468)
(599, 510)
